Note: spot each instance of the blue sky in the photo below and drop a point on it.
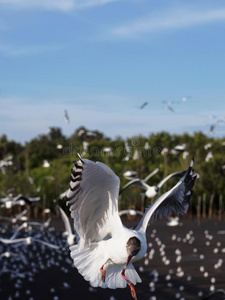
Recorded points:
(101, 59)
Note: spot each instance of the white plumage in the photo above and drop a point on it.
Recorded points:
(150, 191)
(107, 249)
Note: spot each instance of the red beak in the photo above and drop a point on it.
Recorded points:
(128, 259)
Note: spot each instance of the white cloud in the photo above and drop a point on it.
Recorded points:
(62, 5)
(175, 19)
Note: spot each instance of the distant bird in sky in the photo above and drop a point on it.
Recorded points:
(106, 251)
(143, 105)
(168, 107)
(184, 99)
(151, 191)
(211, 129)
(66, 117)
(215, 124)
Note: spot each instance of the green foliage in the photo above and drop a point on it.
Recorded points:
(50, 182)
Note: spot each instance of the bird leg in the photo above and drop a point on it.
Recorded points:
(103, 273)
(132, 289)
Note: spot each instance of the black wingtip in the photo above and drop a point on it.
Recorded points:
(81, 159)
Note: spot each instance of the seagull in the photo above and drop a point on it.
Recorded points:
(184, 99)
(151, 191)
(173, 221)
(70, 236)
(168, 107)
(42, 225)
(143, 105)
(66, 117)
(46, 164)
(209, 156)
(130, 212)
(16, 218)
(106, 250)
(9, 201)
(213, 126)
(28, 240)
(8, 254)
(180, 148)
(132, 174)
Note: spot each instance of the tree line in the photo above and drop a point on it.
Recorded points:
(41, 167)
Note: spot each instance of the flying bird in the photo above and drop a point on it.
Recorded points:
(151, 191)
(213, 125)
(106, 250)
(28, 241)
(184, 99)
(10, 200)
(130, 212)
(143, 105)
(66, 117)
(168, 106)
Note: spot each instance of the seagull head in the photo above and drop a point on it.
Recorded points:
(156, 189)
(133, 246)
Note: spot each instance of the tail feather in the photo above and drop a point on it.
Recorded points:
(88, 262)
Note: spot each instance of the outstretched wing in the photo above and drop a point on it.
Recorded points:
(93, 201)
(151, 174)
(176, 199)
(176, 174)
(137, 182)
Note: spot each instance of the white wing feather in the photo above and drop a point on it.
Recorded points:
(176, 199)
(65, 221)
(93, 201)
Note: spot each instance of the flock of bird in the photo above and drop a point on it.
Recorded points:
(101, 247)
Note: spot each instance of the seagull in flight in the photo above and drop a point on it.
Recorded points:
(143, 105)
(168, 106)
(28, 240)
(106, 250)
(151, 191)
(66, 117)
(130, 212)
